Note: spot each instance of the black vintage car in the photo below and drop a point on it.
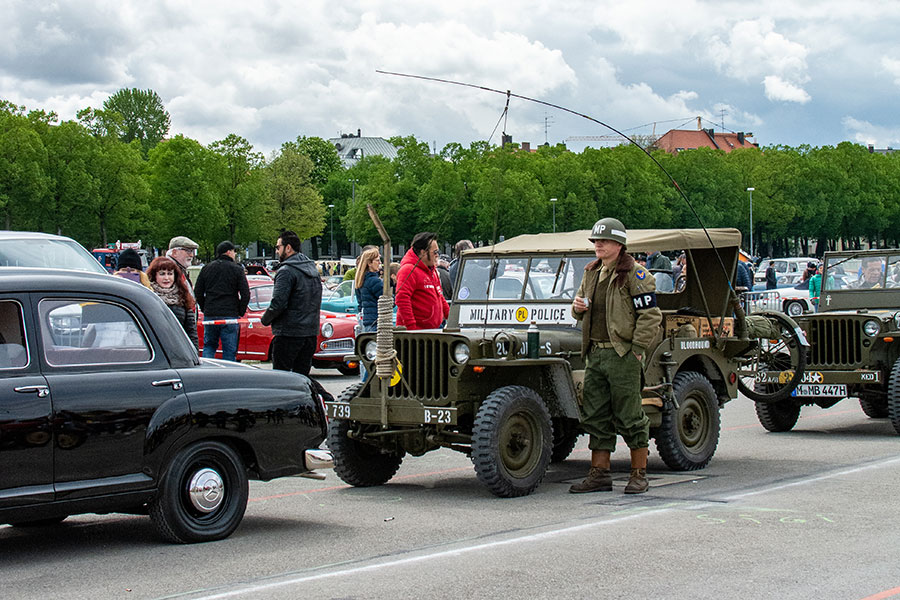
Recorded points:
(106, 407)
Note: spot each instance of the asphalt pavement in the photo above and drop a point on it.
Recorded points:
(808, 513)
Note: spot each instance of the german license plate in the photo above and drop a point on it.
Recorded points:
(821, 390)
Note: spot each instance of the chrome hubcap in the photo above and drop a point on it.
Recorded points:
(206, 490)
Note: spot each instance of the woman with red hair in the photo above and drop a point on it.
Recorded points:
(168, 282)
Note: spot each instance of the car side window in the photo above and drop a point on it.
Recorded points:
(893, 272)
(13, 349)
(260, 297)
(88, 332)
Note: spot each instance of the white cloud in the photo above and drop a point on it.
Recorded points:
(892, 66)
(867, 133)
(754, 49)
(780, 90)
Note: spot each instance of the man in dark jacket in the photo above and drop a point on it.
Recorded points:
(294, 309)
(222, 293)
(771, 276)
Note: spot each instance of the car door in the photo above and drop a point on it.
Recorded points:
(26, 451)
(256, 337)
(108, 377)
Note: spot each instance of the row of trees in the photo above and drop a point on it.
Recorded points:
(113, 174)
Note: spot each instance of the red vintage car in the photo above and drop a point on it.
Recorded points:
(337, 336)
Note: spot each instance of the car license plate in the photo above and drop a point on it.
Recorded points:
(438, 416)
(821, 390)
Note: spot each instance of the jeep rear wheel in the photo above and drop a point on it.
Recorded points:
(512, 441)
(358, 463)
(777, 416)
(688, 436)
(894, 396)
(875, 407)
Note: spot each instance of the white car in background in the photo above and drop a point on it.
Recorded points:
(795, 300)
(787, 270)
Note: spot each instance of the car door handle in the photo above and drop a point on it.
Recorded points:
(42, 390)
(175, 383)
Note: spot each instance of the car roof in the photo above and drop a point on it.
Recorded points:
(30, 235)
(638, 240)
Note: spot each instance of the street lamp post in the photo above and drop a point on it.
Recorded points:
(553, 204)
(750, 190)
(353, 182)
(331, 207)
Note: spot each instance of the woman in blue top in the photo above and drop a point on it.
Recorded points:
(369, 287)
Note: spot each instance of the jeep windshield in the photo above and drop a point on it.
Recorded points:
(526, 278)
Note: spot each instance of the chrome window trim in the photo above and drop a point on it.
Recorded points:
(24, 333)
(137, 322)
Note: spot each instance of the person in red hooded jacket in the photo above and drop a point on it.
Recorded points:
(420, 301)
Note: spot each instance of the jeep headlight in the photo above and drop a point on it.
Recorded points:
(871, 328)
(461, 352)
(327, 330)
(371, 349)
(897, 320)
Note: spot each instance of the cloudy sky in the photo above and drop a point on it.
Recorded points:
(792, 72)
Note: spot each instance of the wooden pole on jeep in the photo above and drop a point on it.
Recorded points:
(384, 336)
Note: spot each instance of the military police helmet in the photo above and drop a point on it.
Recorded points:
(608, 229)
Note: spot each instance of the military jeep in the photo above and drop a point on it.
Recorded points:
(502, 381)
(854, 342)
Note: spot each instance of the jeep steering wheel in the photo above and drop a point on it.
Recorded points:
(771, 369)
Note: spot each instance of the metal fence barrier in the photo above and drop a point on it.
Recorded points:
(758, 301)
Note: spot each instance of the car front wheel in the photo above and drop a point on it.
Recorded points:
(512, 441)
(202, 495)
(794, 309)
(688, 436)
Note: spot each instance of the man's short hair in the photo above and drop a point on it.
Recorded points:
(422, 241)
(462, 245)
(870, 260)
(289, 238)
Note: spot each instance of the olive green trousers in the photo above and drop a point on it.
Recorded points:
(611, 400)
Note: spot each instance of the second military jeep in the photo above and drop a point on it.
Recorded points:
(854, 341)
(502, 381)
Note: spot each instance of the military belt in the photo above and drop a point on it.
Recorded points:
(601, 345)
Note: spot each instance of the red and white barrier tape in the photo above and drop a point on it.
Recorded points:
(230, 321)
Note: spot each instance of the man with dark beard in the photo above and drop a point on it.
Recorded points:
(294, 310)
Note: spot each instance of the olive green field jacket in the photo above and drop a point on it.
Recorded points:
(632, 317)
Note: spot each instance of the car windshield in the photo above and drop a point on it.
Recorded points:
(535, 278)
(48, 253)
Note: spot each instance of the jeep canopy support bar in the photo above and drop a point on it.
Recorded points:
(385, 354)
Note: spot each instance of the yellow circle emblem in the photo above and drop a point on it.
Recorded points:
(398, 372)
(521, 314)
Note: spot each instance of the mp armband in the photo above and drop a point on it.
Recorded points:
(644, 301)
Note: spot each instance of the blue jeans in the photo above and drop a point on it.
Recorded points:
(229, 334)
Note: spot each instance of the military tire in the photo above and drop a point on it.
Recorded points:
(202, 494)
(357, 463)
(782, 354)
(894, 396)
(874, 407)
(565, 436)
(687, 437)
(512, 441)
(777, 416)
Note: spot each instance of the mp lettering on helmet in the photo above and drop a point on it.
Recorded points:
(644, 301)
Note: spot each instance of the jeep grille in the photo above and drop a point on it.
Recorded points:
(835, 342)
(426, 367)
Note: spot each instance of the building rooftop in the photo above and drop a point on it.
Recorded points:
(676, 140)
(352, 148)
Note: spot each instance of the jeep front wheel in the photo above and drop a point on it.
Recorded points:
(688, 436)
(512, 441)
(894, 396)
(776, 416)
(355, 462)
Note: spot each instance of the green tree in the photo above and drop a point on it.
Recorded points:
(70, 152)
(293, 201)
(242, 187)
(184, 197)
(144, 117)
(323, 155)
(23, 169)
(119, 199)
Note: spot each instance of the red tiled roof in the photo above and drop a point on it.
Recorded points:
(684, 139)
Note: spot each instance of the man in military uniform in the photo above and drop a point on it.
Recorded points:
(616, 304)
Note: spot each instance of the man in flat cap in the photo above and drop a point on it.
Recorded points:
(182, 250)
